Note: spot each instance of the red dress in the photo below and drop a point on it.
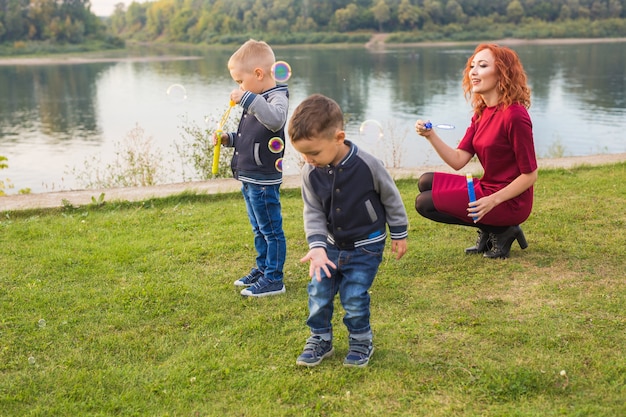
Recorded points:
(503, 142)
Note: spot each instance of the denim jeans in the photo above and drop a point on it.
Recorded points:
(355, 273)
(264, 212)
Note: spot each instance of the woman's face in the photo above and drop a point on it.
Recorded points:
(484, 77)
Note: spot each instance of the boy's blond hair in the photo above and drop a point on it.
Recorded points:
(253, 54)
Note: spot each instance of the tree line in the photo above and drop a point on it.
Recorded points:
(62, 21)
(211, 21)
(294, 21)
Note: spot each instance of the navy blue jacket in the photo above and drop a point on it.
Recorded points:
(260, 138)
(349, 205)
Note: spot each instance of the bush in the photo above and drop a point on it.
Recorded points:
(136, 164)
(197, 151)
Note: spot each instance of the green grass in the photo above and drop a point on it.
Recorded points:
(140, 317)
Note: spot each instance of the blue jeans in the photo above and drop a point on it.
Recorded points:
(264, 212)
(355, 273)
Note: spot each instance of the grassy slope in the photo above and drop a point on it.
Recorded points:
(141, 317)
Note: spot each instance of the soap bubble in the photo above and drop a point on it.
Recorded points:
(176, 93)
(31, 360)
(371, 129)
(281, 71)
(276, 145)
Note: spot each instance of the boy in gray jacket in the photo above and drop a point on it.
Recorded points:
(349, 200)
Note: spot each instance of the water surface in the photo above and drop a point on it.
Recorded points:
(56, 117)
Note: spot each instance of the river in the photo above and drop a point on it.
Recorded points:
(61, 122)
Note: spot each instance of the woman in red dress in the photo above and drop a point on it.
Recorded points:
(500, 135)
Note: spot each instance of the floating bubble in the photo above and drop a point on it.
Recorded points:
(41, 323)
(279, 165)
(371, 129)
(31, 360)
(276, 145)
(281, 71)
(176, 93)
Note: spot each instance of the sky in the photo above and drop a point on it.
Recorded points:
(106, 7)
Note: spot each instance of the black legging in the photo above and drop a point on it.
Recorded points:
(425, 207)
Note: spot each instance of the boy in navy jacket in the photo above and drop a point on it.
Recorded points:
(257, 161)
(349, 201)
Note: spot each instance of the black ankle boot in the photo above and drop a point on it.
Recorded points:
(482, 244)
(501, 242)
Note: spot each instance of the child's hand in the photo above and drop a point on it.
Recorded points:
(319, 263)
(235, 95)
(218, 137)
(398, 247)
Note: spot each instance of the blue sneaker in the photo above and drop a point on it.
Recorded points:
(264, 287)
(249, 279)
(314, 351)
(359, 353)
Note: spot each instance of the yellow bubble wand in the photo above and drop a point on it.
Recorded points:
(218, 146)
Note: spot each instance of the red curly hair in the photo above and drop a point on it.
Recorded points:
(512, 86)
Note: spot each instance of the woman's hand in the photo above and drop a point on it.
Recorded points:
(479, 208)
(421, 129)
(484, 205)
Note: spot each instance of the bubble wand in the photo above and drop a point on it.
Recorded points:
(470, 191)
(218, 146)
(444, 126)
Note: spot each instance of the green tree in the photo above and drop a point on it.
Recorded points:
(381, 13)
(433, 10)
(515, 12)
(157, 18)
(565, 13)
(136, 17)
(408, 14)
(304, 24)
(454, 12)
(183, 19)
(117, 21)
(15, 27)
(344, 17)
(615, 8)
(599, 10)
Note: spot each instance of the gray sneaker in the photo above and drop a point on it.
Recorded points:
(359, 353)
(314, 351)
(249, 279)
(264, 287)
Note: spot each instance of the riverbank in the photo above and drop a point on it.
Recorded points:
(377, 41)
(380, 40)
(85, 197)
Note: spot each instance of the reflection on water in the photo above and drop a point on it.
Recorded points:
(55, 117)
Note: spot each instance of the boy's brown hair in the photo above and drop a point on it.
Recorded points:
(253, 54)
(317, 115)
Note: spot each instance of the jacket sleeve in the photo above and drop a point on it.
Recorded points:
(271, 113)
(390, 197)
(314, 216)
